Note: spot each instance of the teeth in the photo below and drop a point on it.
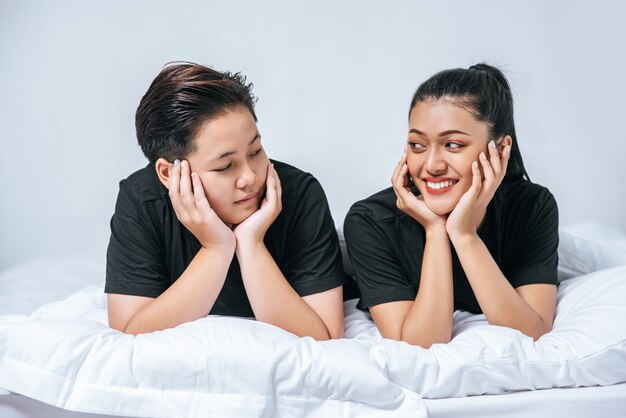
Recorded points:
(441, 184)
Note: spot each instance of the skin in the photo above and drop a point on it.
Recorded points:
(217, 194)
(446, 143)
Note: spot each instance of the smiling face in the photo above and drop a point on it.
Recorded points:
(444, 140)
(230, 161)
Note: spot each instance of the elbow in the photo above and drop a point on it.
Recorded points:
(425, 343)
(130, 332)
(542, 329)
(333, 332)
(336, 332)
(123, 328)
(418, 338)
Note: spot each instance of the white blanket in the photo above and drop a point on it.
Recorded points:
(65, 355)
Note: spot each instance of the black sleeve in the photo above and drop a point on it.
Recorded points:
(135, 263)
(312, 258)
(537, 258)
(378, 274)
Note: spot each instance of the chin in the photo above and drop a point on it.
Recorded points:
(440, 208)
(237, 217)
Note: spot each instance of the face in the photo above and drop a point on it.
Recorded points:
(230, 161)
(444, 140)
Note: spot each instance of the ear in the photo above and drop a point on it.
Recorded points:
(506, 141)
(163, 167)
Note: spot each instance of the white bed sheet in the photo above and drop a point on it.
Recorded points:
(14, 405)
(589, 402)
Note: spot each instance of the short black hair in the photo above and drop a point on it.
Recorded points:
(180, 99)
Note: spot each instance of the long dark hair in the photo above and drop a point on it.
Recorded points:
(484, 91)
(180, 99)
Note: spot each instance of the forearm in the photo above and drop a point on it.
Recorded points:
(189, 298)
(429, 320)
(499, 301)
(272, 298)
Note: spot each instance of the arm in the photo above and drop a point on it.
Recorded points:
(272, 298)
(275, 302)
(191, 296)
(428, 319)
(529, 309)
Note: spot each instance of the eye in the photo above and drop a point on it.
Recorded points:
(416, 146)
(454, 145)
(257, 152)
(221, 170)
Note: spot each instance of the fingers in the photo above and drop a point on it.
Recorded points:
(488, 169)
(273, 190)
(400, 185)
(198, 192)
(173, 184)
(186, 192)
(396, 171)
(279, 187)
(499, 163)
(474, 189)
(270, 185)
(494, 158)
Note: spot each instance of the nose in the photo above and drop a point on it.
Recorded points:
(246, 177)
(435, 162)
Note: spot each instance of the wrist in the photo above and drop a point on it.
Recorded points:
(227, 246)
(249, 245)
(435, 230)
(460, 239)
(226, 251)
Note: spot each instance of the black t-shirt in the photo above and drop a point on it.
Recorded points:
(149, 248)
(386, 246)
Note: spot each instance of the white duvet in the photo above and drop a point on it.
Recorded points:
(65, 355)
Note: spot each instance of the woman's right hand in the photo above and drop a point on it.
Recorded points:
(193, 210)
(412, 205)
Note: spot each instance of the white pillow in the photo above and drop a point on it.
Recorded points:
(64, 354)
(586, 347)
(27, 286)
(588, 247)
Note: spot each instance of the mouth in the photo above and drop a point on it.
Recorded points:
(248, 199)
(438, 186)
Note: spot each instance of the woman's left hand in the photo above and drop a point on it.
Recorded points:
(253, 229)
(469, 212)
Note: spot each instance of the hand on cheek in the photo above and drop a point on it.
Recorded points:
(253, 229)
(470, 211)
(406, 201)
(193, 210)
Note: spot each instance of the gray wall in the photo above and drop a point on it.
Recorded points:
(334, 81)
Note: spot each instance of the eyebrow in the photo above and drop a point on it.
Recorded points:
(444, 133)
(229, 153)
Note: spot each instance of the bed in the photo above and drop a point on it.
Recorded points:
(58, 358)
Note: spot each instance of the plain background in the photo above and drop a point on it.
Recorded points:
(334, 81)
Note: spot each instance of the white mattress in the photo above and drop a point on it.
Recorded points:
(600, 401)
(597, 401)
